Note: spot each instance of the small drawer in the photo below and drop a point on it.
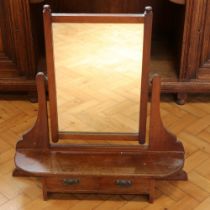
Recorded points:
(125, 185)
(70, 184)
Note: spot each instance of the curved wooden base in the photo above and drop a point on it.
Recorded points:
(146, 164)
(179, 176)
(115, 173)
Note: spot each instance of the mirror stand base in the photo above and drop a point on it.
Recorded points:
(110, 173)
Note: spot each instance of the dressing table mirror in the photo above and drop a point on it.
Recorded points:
(98, 75)
(98, 91)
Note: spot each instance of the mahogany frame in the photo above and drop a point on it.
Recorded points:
(146, 19)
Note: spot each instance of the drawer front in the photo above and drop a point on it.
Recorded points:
(126, 185)
(97, 184)
(70, 184)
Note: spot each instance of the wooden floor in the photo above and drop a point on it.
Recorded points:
(190, 122)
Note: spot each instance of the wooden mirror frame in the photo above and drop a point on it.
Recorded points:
(146, 19)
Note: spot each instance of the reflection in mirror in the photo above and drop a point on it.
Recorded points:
(98, 76)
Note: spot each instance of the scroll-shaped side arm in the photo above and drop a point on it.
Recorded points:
(38, 136)
(159, 138)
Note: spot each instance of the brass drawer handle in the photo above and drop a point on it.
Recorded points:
(71, 181)
(123, 183)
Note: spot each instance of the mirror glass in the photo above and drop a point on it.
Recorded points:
(98, 76)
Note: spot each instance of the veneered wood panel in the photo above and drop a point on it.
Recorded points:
(195, 63)
(6, 30)
(203, 69)
(192, 39)
(17, 64)
(1, 46)
(205, 54)
(23, 41)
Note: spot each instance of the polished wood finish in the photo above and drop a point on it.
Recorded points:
(179, 1)
(83, 168)
(146, 68)
(141, 163)
(96, 18)
(99, 136)
(1, 45)
(38, 135)
(159, 138)
(204, 67)
(51, 71)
